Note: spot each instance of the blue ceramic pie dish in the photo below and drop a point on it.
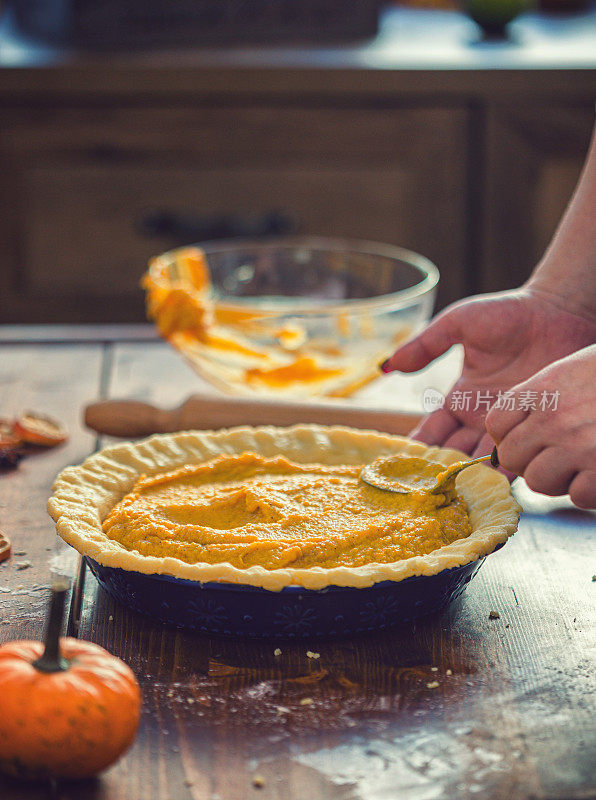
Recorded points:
(226, 609)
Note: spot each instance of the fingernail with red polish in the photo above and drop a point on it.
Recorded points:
(384, 367)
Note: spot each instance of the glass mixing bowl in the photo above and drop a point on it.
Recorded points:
(297, 317)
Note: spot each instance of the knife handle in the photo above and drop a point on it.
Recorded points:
(132, 418)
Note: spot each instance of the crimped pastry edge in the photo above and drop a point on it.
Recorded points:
(84, 494)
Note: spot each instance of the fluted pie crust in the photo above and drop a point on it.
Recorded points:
(84, 495)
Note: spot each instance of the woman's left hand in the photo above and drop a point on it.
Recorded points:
(547, 429)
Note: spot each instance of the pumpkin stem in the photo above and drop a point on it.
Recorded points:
(51, 660)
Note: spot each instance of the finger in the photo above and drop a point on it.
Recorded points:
(435, 428)
(551, 472)
(583, 489)
(520, 446)
(464, 439)
(500, 421)
(441, 334)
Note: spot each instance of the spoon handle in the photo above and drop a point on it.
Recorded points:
(451, 472)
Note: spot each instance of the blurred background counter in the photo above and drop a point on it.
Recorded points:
(425, 136)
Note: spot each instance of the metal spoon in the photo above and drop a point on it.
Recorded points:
(436, 480)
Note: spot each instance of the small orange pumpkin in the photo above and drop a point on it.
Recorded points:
(67, 710)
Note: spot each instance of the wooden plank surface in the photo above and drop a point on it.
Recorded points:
(513, 720)
(55, 380)
(77, 334)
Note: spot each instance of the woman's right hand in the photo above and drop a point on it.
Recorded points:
(507, 338)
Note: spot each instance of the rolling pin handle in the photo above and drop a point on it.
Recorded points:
(127, 418)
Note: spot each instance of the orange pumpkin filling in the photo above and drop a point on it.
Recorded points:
(249, 510)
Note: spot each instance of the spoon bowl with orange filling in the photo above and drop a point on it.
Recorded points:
(271, 532)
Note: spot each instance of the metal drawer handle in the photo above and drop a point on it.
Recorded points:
(187, 227)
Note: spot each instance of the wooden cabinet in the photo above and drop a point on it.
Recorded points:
(534, 159)
(85, 182)
(464, 151)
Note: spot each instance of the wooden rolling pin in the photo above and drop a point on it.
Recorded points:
(132, 418)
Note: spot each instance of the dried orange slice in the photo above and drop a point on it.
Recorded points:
(40, 430)
(8, 436)
(4, 547)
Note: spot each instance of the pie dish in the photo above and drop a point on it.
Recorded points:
(84, 497)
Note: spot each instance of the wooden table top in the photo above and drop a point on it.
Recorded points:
(513, 719)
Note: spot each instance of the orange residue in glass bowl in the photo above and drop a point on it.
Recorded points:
(264, 352)
(179, 301)
(303, 369)
(178, 298)
(290, 337)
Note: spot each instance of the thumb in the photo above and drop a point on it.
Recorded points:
(440, 334)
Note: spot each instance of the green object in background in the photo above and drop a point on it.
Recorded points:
(494, 15)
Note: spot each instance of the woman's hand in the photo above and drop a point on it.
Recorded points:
(507, 338)
(553, 445)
